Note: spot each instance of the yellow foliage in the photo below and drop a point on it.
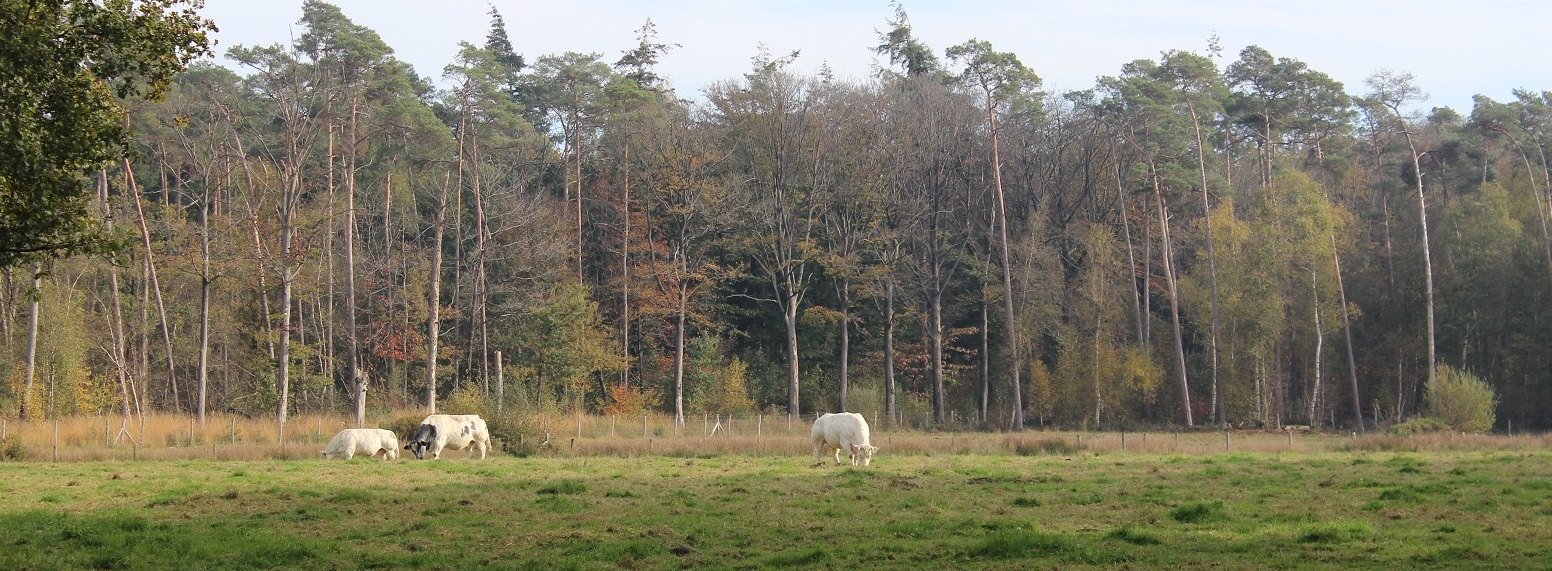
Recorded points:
(626, 400)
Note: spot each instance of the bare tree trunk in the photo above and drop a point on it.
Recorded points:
(935, 335)
(258, 244)
(481, 285)
(1320, 343)
(1174, 306)
(156, 285)
(845, 292)
(116, 319)
(679, 356)
(1131, 259)
(1347, 330)
(33, 296)
(358, 377)
(1017, 364)
(435, 297)
(1147, 275)
(789, 315)
(889, 349)
(625, 273)
(1422, 214)
(986, 365)
(204, 305)
(576, 148)
(1212, 264)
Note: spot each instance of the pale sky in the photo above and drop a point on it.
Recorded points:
(1455, 49)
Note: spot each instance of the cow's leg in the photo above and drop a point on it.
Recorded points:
(349, 453)
(837, 456)
(818, 452)
(436, 451)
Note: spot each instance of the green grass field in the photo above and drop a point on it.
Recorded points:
(1249, 510)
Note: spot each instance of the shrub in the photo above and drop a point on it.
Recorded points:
(513, 432)
(1464, 401)
(14, 451)
(1418, 425)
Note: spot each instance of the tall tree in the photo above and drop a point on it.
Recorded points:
(350, 54)
(771, 133)
(1003, 81)
(569, 87)
(283, 81)
(1394, 91)
(1200, 89)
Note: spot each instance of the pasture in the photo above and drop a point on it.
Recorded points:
(930, 501)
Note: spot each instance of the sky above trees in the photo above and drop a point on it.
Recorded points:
(1456, 50)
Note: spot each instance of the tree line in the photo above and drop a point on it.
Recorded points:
(1198, 239)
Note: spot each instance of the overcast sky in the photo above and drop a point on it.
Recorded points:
(1456, 49)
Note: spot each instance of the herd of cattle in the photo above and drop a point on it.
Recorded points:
(834, 432)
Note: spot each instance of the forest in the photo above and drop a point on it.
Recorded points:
(1200, 239)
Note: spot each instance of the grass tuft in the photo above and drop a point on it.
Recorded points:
(807, 558)
(1336, 532)
(1008, 544)
(564, 487)
(1199, 512)
(1133, 536)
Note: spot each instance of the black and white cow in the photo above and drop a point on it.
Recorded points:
(455, 431)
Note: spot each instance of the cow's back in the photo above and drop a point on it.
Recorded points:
(835, 428)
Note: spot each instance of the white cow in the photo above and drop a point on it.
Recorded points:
(364, 441)
(843, 431)
(455, 431)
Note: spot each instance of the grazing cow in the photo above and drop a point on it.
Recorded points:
(455, 431)
(364, 441)
(843, 431)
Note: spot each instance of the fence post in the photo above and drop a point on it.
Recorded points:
(1225, 441)
(1123, 440)
(56, 440)
(612, 419)
(234, 430)
(191, 432)
(579, 427)
(644, 426)
(759, 426)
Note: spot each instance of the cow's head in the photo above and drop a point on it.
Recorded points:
(421, 441)
(863, 453)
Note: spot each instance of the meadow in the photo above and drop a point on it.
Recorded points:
(931, 500)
